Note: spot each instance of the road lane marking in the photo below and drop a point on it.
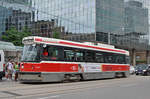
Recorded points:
(129, 85)
(50, 97)
(11, 93)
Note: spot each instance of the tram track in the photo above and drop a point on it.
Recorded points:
(21, 86)
(46, 90)
(28, 91)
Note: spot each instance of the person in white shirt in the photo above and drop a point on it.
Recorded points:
(10, 70)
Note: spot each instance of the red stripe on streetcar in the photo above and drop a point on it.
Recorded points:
(115, 67)
(50, 42)
(79, 45)
(38, 39)
(49, 67)
(73, 44)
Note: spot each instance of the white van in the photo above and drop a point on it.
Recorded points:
(1, 64)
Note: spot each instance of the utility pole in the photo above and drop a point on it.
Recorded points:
(109, 38)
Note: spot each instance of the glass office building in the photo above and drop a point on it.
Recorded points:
(3, 17)
(136, 18)
(109, 19)
(77, 16)
(122, 23)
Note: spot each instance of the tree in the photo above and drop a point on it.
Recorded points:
(12, 35)
(56, 33)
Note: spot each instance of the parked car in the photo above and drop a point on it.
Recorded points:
(132, 70)
(142, 69)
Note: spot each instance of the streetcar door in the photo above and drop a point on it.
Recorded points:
(1, 60)
(1, 63)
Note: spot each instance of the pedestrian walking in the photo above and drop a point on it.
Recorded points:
(6, 71)
(16, 69)
(10, 70)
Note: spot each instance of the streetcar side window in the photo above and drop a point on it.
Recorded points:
(90, 56)
(69, 55)
(0, 57)
(114, 58)
(121, 59)
(56, 53)
(79, 56)
(74, 55)
(53, 52)
(108, 58)
(127, 59)
(99, 57)
(45, 54)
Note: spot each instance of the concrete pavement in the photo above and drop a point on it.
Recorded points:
(134, 87)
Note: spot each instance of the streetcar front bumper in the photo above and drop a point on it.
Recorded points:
(41, 76)
(30, 77)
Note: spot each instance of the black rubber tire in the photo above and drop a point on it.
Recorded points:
(1, 77)
(148, 74)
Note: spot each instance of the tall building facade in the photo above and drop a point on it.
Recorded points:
(4, 14)
(124, 23)
(15, 13)
(18, 19)
(136, 18)
(109, 19)
(47, 29)
(136, 23)
(77, 16)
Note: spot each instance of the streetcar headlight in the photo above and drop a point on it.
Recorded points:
(144, 70)
(22, 66)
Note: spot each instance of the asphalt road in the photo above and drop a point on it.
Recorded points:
(134, 87)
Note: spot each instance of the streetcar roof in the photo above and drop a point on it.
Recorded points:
(59, 42)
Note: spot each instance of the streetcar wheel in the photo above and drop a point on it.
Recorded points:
(1, 77)
(82, 79)
(148, 73)
(125, 75)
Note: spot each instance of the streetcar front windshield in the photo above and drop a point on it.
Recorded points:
(30, 53)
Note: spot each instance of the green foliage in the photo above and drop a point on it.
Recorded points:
(56, 33)
(140, 61)
(12, 35)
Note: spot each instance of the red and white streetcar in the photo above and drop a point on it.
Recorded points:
(53, 60)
